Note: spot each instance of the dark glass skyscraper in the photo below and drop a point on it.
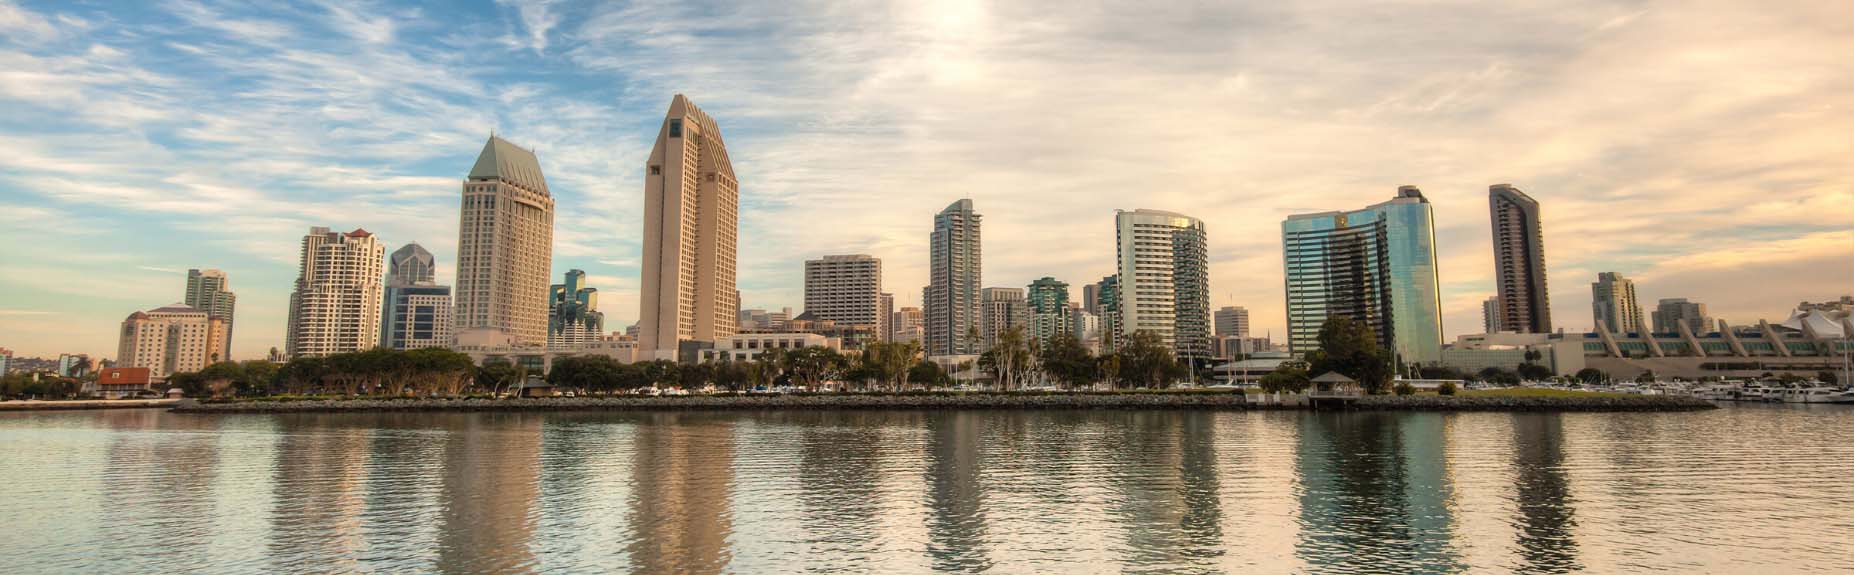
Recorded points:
(1519, 261)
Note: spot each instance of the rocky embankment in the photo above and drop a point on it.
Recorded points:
(1158, 400)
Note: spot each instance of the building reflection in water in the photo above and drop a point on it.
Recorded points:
(1373, 494)
(956, 530)
(838, 474)
(1546, 543)
(169, 464)
(489, 490)
(317, 486)
(680, 519)
(1166, 499)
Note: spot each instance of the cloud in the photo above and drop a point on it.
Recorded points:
(1686, 144)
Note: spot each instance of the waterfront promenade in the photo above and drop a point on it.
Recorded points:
(86, 404)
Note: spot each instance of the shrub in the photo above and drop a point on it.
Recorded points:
(1404, 388)
(1446, 388)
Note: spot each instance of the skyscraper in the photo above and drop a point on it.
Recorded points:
(1091, 298)
(1519, 261)
(951, 299)
(416, 311)
(505, 245)
(1613, 303)
(208, 291)
(573, 317)
(1232, 321)
(1049, 309)
(691, 228)
(1001, 309)
(887, 330)
(846, 289)
(1670, 313)
(1491, 315)
(1107, 292)
(336, 305)
(1164, 280)
(1376, 265)
(169, 339)
(908, 325)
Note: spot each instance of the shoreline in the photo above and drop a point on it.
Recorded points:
(974, 400)
(67, 405)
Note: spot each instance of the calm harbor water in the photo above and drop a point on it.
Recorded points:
(1751, 489)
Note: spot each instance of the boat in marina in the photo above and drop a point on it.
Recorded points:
(1815, 394)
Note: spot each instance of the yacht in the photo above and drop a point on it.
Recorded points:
(1815, 394)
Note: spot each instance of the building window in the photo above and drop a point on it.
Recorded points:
(675, 128)
(656, 170)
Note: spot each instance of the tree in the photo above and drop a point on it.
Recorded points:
(812, 366)
(1590, 376)
(658, 373)
(1648, 376)
(255, 377)
(1009, 358)
(889, 363)
(190, 383)
(1445, 388)
(1534, 372)
(1827, 377)
(1404, 388)
(1145, 361)
(1497, 375)
(1349, 348)
(496, 373)
(1286, 378)
(1065, 360)
(928, 373)
(1440, 372)
(220, 378)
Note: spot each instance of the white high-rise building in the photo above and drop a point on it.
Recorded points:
(846, 289)
(208, 291)
(1003, 309)
(1164, 280)
(170, 339)
(336, 307)
(691, 229)
(950, 302)
(505, 245)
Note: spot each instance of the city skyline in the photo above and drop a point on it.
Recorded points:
(190, 179)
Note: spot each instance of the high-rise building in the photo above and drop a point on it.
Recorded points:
(951, 298)
(573, 316)
(1233, 321)
(171, 339)
(1519, 261)
(908, 325)
(1670, 313)
(887, 329)
(1002, 309)
(336, 305)
(1376, 265)
(208, 291)
(1612, 301)
(1086, 327)
(1164, 280)
(691, 229)
(6, 356)
(1049, 309)
(1491, 314)
(845, 289)
(1107, 292)
(1091, 298)
(505, 245)
(416, 311)
(76, 365)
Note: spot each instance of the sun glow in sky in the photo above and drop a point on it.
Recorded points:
(1703, 148)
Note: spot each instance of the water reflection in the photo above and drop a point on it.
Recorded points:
(890, 492)
(1373, 494)
(489, 488)
(682, 469)
(1545, 517)
(956, 528)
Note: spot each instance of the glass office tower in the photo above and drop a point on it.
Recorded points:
(1376, 265)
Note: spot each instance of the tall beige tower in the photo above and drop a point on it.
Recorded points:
(691, 227)
(505, 245)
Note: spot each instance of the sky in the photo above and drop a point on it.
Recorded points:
(1703, 148)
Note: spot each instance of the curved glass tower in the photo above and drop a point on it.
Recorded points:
(1376, 265)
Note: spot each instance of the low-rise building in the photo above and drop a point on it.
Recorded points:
(749, 346)
(484, 345)
(1506, 350)
(1249, 372)
(121, 382)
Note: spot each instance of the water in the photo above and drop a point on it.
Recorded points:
(1757, 489)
